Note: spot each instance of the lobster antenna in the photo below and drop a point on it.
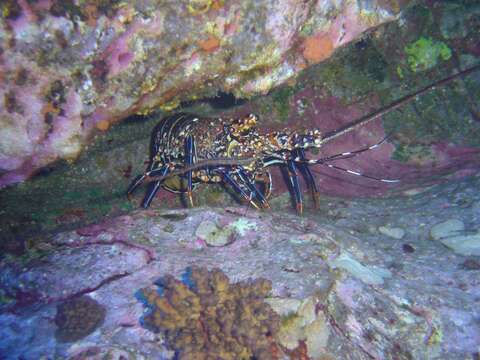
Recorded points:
(202, 164)
(348, 171)
(394, 105)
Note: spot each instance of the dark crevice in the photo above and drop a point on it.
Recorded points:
(221, 101)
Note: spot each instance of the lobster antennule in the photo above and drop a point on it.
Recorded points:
(360, 174)
(342, 156)
(302, 160)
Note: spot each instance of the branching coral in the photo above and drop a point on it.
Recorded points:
(205, 317)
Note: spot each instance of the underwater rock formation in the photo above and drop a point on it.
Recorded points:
(206, 317)
(68, 67)
(343, 288)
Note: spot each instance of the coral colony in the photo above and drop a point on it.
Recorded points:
(204, 316)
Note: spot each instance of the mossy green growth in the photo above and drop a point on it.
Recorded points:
(424, 53)
(406, 152)
(353, 72)
(400, 72)
(281, 101)
(401, 153)
(365, 58)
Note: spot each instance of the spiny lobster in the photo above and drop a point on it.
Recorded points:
(215, 150)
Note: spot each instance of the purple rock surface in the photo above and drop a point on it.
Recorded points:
(348, 289)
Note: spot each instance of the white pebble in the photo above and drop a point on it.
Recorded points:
(451, 227)
(396, 233)
(463, 244)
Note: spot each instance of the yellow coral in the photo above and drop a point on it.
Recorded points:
(210, 318)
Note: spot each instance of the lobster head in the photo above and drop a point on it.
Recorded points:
(242, 126)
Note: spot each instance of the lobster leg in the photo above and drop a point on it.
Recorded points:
(135, 183)
(237, 187)
(295, 186)
(154, 186)
(152, 190)
(141, 178)
(307, 174)
(265, 179)
(254, 192)
(189, 154)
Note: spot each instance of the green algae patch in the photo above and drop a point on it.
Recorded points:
(355, 71)
(416, 153)
(424, 53)
(281, 102)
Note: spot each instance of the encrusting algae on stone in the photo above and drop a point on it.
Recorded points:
(78, 318)
(205, 317)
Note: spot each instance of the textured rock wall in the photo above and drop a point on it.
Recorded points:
(68, 67)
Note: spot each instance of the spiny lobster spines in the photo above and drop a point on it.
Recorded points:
(250, 154)
(233, 152)
(182, 140)
(288, 140)
(241, 127)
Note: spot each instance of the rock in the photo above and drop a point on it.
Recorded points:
(451, 234)
(463, 244)
(300, 322)
(112, 353)
(396, 233)
(407, 248)
(69, 69)
(242, 225)
(317, 334)
(452, 25)
(451, 227)
(319, 309)
(284, 307)
(470, 264)
(77, 318)
(369, 275)
(213, 235)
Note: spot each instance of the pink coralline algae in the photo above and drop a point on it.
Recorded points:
(68, 68)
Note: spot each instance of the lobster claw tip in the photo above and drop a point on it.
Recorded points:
(190, 198)
(299, 208)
